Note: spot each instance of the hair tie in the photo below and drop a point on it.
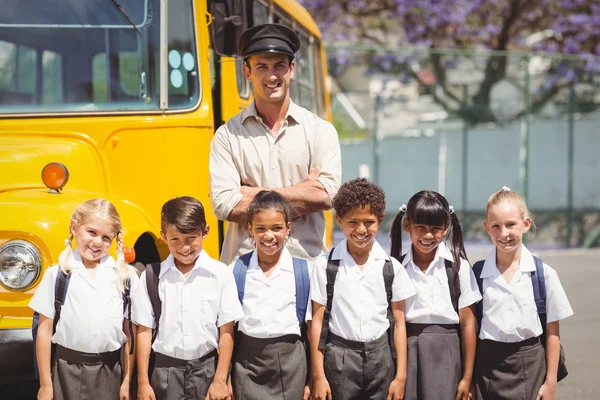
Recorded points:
(67, 242)
(450, 210)
(506, 188)
(403, 208)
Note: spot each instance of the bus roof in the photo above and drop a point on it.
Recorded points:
(299, 13)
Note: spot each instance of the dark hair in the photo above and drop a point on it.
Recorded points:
(268, 200)
(429, 208)
(359, 192)
(247, 60)
(186, 213)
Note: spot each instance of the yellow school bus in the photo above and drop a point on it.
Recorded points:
(118, 100)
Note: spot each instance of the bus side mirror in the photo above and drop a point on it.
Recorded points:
(227, 25)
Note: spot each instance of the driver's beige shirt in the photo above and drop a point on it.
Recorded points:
(245, 152)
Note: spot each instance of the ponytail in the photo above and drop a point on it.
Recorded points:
(456, 238)
(63, 258)
(122, 266)
(396, 234)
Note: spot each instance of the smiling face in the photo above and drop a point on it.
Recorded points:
(360, 226)
(270, 75)
(93, 237)
(269, 230)
(185, 247)
(506, 225)
(425, 238)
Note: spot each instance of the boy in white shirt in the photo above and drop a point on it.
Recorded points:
(354, 290)
(191, 304)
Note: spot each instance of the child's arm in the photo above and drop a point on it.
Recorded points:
(218, 388)
(396, 389)
(321, 388)
(469, 343)
(143, 346)
(548, 389)
(42, 347)
(128, 360)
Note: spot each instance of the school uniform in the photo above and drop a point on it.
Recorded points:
(358, 359)
(89, 335)
(269, 361)
(434, 362)
(511, 362)
(193, 309)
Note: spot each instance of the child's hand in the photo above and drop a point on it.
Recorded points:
(124, 392)
(218, 390)
(145, 392)
(321, 389)
(464, 390)
(547, 391)
(396, 390)
(45, 393)
(306, 395)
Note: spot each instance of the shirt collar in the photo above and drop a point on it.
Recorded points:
(490, 268)
(340, 251)
(75, 261)
(293, 112)
(285, 261)
(169, 264)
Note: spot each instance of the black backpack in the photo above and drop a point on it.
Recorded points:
(538, 281)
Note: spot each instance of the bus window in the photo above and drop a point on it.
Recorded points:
(319, 79)
(183, 61)
(260, 13)
(72, 56)
(305, 72)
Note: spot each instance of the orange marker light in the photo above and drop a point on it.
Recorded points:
(55, 176)
(129, 254)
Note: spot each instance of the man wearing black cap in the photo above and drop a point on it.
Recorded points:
(274, 144)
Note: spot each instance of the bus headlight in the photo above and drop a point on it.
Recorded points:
(20, 264)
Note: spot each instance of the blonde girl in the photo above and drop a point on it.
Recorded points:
(511, 361)
(92, 331)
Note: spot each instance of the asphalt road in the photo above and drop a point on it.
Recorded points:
(579, 272)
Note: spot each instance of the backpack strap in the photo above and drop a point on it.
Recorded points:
(538, 279)
(453, 283)
(302, 288)
(127, 307)
(60, 294)
(388, 281)
(477, 269)
(152, 272)
(240, 269)
(332, 269)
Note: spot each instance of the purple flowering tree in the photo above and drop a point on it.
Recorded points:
(552, 26)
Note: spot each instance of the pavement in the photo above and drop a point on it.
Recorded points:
(579, 272)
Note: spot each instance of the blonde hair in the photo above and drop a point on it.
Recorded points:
(505, 194)
(106, 211)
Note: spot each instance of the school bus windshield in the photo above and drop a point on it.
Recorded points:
(71, 56)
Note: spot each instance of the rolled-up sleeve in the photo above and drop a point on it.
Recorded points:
(224, 177)
(328, 156)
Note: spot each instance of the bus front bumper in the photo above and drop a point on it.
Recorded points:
(16, 355)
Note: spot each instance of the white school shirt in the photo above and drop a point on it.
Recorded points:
(91, 319)
(270, 303)
(433, 304)
(509, 311)
(359, 309)
(193, 308)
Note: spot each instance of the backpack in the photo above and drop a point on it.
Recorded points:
(60, 294)
(453, 281)
(152, 272)
(302, 285)
(388, 279)
(538, 281)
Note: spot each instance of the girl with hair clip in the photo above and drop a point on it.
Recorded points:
(440, 319)
(92, 331)
(523, 302)
(270, 360)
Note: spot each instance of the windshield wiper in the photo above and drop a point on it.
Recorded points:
(127, 17)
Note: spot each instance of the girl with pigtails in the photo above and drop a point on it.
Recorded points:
(89, 331)
(440, 318)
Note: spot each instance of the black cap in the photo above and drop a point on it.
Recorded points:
(268, 38)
